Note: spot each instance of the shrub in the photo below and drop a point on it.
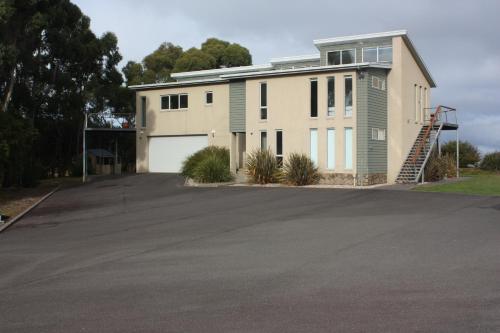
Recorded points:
(212, 169)
(439, 167)
(300, 170)
(262, 167)
(190, 164)
(491, 162)
(468, 153)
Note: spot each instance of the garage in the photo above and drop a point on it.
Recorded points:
(167, 153)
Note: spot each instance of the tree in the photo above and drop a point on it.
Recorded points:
(194, 60)
(236, 55)
(491, 162)
(216, 48)
(53, 70)
(133, 72)
(160, 63)
(468, 153)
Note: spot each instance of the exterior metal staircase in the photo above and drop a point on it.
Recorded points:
(413, 167)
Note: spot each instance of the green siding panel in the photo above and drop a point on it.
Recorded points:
(237, 106)
(371, 113)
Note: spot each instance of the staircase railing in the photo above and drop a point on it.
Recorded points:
(428, 155)
(427, 133)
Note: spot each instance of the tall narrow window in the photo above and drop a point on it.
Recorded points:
(263, 101)
(331, 96)
(426, 104)
(313, 135)
(330, 149)
(143, 111)
(416, 104)
(263, 140)
(183, 101)
(348, 148)
(314, 98)
(348, 96)
(279, 147)
(174, 102)
(421, 104)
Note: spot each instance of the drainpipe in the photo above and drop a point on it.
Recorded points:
(458, 156)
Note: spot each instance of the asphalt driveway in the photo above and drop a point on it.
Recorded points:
(145, 254)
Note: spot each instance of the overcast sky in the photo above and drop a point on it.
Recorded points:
(458, 40)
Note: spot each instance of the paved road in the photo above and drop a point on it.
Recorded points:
(144, 254)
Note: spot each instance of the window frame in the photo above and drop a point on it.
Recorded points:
(209, 92)
(378, 47)
(341, 56)
(170, 99)
(313, 107)
(330, 110)
(263, 107)
(330, 148)
(279, 155)
(143, 112)
(348, 114)
(379, 134)
(263, 133)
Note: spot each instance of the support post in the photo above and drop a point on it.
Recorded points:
(84, 151)
(458, 157)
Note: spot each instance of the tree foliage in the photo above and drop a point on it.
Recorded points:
(468, 153)
(169, 58)
(491, 162)
(53, 69)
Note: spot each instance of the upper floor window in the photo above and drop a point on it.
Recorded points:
(263, 101)
(341, 57)
(143, 111)
(331, 96)
(377, 54)
(209, 98)
(314, 98)
(348, 96)
(174, 102)
(378, 134)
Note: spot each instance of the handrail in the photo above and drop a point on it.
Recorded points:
(434, 119)
(429, 152)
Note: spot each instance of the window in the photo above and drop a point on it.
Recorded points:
(416, 104)
(263, 101)
(378, 83)
(426, 104)
(378, 134)
(263, 140)
(174, 102)
(377, 54)
(143, 111)
(348, 148)
(314, 98)
(421, 103)
(385, 54)
(331, 96)
(165, 102)
(313, 138)
(279, 147)
(330, 148)
(370, 54)
(183, 101)
(209, 98)
(341, 57)
(348, 96)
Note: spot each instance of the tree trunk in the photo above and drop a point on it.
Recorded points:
(8, 92)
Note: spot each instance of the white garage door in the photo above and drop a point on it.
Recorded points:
(167, 153)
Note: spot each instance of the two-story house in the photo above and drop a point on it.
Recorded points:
(356, 108)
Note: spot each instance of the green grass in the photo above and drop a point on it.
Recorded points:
(480, 183)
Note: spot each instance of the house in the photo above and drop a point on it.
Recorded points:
(102, 162)
(359, 108)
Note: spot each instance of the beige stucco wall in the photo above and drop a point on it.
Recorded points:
(289, 111)
(402, 127)
(199, 118)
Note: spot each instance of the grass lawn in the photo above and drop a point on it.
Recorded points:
(480, 183)
(15, 200)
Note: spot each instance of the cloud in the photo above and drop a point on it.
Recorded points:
(457, 39)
